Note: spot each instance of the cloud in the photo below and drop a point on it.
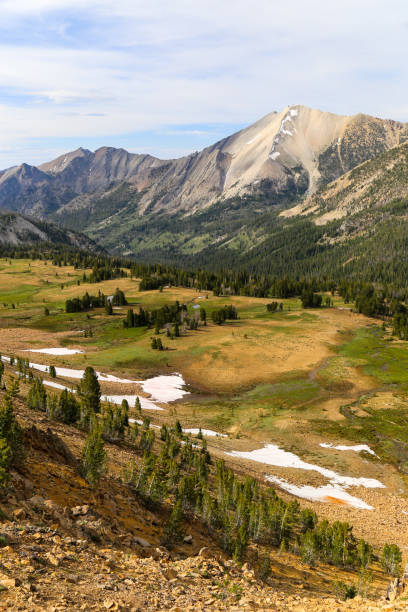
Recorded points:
(90, 69)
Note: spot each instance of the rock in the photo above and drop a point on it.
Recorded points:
(19, 514)
(142, 542)
(188, 539)
(36, 501)
(205, 552)
(109, 604)
(9, 583)
(170, 574)
(80, 510)
(51, 506)
(53, 559)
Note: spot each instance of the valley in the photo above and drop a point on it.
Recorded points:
(303, 380)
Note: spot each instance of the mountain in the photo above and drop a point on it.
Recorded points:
(16, 230)
(225, 198)
(281, 155)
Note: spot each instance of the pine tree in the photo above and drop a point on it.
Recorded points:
(93, 456)
(138, 406)
(178, 429)
(90, 394)
(53, 372)
(364, 553)
(174, 531)
(309, 549)
(5, 455)
(391, 559)
(68, 408)
(108, 307)
(125, 412)
(11, 432)
(37, 396)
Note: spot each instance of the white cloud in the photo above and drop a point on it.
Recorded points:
(88, 68)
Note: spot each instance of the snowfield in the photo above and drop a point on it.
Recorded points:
(326, 493)
(271, 454)
(54, 351)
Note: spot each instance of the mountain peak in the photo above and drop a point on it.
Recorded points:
(60, 163)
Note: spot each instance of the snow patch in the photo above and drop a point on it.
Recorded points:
(165, 388)
(271, 454)
(77, 374)
(139, 422)
(343, 447)
(206, 432)
(274, 155)
(145, 403)
(253, 139)
(55, 385)
(54, 351)
(326, 494)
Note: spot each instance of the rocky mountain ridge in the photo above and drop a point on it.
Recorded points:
(283, 155)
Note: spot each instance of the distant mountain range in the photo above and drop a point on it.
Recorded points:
(227, 198)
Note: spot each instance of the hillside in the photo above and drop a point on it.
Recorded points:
(65, 544)
(374, 191)
(16, 230)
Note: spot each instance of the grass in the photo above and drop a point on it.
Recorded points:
(371, 349)
(384, 430)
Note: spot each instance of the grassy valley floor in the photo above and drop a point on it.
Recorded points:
(295, 378)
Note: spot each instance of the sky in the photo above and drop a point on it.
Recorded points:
(169, 78)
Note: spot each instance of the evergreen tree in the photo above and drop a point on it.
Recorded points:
(174, 531)
(138, 406)
(391, 559)
(125, 412)
(37, 396)
(90, 394)
(364, 553)
(11, 432)
(53, 372)
(108, 307)
(309, 548)
(5, 454)
(119, 298)
(93, 456)
(68, 408)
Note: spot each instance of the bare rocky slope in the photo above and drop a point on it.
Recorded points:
(378, 188)
(16, 230)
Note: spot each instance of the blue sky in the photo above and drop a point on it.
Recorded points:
(168, 78)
